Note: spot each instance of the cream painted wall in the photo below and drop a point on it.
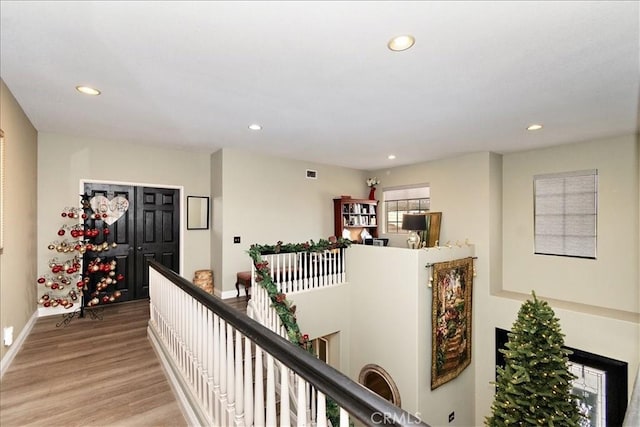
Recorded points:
(18, 258)
(267, 199)
(64, 160)
(390, 311)
(216, 221)
(611, 280)
(385, 314)
(326, 311)
(469, 192)
(611, 331)
(462, 188)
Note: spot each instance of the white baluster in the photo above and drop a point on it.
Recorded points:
(311, 398)
(285, 410)
(302, 402)
(248, 383)
(334, 267)
(305, 270)
(344, 418)
(342, 268)
(210, 345)
(223, 372)
(231, 382)
(216, 366)
(323, 268)
(271, 393)
(201, 360)
(314, 269)
(258, 412)
(321, 416)
(239, 390)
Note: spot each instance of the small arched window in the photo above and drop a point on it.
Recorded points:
(376, 379)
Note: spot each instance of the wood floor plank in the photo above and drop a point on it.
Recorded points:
(91, 373)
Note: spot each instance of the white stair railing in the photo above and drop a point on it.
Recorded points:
(217, 359)
(295, 272)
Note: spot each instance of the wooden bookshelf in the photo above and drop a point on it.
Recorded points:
(355, 215)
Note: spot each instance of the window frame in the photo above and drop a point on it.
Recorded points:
(423, 206)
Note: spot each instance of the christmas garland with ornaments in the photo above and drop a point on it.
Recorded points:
(67, 283)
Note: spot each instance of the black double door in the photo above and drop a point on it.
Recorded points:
(148, 229)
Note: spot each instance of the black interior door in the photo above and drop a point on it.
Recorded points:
(149, 229)
(157, 232)
(122, 232)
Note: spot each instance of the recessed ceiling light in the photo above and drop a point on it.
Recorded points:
(88, 90)
(255, 126)
(391, 156)
(534, 127)
(400, 43)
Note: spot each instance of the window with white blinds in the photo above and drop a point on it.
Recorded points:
(566, 213)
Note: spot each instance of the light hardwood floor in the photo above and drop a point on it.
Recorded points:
(90, 373)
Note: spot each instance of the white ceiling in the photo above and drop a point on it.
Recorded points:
(319, 77)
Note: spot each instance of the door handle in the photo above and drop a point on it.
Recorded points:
(139, 248)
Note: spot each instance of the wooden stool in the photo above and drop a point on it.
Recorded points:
(243, 278)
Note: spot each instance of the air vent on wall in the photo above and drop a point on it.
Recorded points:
(311, 174)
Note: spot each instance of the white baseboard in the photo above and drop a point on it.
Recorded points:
(17, 344)
(54, 311)
(190, 411)
(232, 293)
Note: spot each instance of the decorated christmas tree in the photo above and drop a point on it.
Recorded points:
(534, 387)
(78, 277)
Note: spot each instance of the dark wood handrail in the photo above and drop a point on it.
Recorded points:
(361, 403)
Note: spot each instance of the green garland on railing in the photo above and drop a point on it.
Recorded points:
(286, 311)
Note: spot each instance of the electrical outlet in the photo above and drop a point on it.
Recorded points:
(452, 416)
(7, 336)
(236, 239)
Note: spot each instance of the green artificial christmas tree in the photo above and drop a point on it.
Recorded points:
(534, 387)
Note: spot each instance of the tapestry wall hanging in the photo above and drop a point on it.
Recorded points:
(451, 319)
